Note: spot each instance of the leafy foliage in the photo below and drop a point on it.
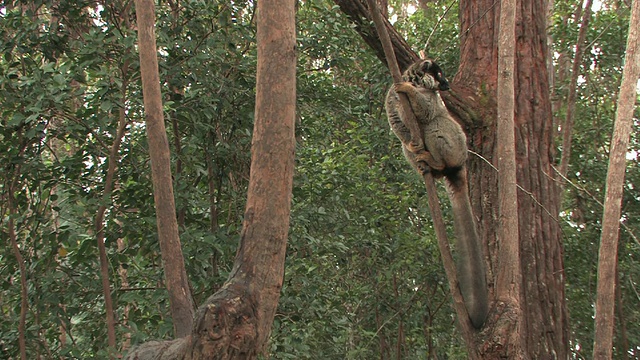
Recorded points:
(363, 276)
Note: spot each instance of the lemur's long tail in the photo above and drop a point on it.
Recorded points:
(470, 262)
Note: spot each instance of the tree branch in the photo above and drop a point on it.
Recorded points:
(432, 194)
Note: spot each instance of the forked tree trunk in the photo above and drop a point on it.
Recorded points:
(608, 255)
(235, 322)
(543, 320)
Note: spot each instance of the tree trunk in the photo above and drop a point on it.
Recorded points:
(509, 277)
(235, 322)
(544, 317)
(181, 302)
(15, 247)
(472, 101)
(608, 255)
(567, 126)
(100, 216)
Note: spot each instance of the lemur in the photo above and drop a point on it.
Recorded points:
(445, 156)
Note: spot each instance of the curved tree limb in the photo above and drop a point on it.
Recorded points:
(459, 102)
(359, 14)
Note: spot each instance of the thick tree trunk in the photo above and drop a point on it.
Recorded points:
(608, 255)
(544, 316)
(180, 300)
(235, 323)
(472, 101)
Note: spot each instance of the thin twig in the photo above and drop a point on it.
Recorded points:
(426, 44)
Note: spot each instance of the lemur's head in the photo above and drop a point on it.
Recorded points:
(428, 74)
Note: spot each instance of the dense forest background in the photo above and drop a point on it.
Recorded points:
(363, 277)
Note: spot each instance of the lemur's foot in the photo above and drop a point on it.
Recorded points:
(423, 167)
(403, 87)
(427, 158)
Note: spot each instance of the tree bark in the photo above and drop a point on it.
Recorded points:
(235, 322)
(608, 254)
(100, 215)
(509, 276)
(359, 14)
(181, 302)
(99, 228)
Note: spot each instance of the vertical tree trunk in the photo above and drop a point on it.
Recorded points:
(608, 255)
(567, 126)
(99, 228)
(235, 322)
(13, 238)
(100, 216)
(181, 302)
(544, 316)
(509, 276)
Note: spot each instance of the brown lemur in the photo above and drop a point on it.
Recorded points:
(445, 156)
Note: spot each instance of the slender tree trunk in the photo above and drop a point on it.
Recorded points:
(509, 276)
(236, 321)
(181, 302)
(567, 126)
(100, 215)
(608, 255)
(24, 301)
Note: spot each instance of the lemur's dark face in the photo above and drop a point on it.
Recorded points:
(427, 74)
(430, 67)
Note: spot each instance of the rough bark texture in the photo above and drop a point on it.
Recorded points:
(358, 13)
(472, 102)
(236, 321)
(180, 300)
(608, 255)
(544, 316)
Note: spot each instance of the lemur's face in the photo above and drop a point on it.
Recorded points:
(428, 74)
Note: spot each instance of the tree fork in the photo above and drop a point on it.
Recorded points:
(236, 321)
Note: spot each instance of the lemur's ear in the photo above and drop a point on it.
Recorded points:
(426, 66)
